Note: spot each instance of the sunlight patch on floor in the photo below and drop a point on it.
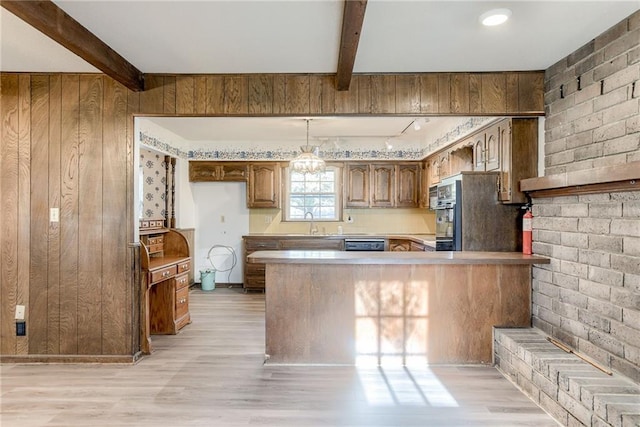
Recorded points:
(395, 385)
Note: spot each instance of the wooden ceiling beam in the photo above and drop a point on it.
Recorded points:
(53, 22)
(352, 20)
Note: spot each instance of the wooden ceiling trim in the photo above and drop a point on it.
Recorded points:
(352, 20)
(52, 21)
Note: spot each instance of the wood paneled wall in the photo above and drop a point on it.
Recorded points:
(517, 93)
(67, 143)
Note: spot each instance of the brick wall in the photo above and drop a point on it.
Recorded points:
(595, 122)
(589, 296)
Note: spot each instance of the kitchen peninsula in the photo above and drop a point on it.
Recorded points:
(254, 273)
(333, 307)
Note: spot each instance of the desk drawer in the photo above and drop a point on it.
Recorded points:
(155, 248)
(182, 302)
(157, 240)
(182, 280)
(163, 274)
(183, 267)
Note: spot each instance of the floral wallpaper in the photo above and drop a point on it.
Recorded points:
(286, 153)
(154, 184)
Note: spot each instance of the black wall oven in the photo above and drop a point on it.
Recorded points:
(448, 216)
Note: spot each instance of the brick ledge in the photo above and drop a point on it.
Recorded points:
(623, 177)
(571, 390)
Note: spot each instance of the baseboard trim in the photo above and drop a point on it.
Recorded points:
(70, 358)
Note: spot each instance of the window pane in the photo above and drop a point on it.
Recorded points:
(296, 213)
(312, 187)
(327, 187)
(311, 201)
(296, 201)
(328, 201)
(296, 176)
(297, 187)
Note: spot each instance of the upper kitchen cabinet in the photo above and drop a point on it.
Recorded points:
(383, 188)
(486, 149)
(461, 157)
(263, 186)
(424, 201)
(408, 185)
(519, 155)
(356, 179)
(439, 166)
(208, 171)
(382, 185)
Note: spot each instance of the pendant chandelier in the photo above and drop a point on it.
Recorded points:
(308, 161)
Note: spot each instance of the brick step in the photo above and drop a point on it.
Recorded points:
(573, 391)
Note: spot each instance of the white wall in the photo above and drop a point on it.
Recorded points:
(221, 218)
(185, 201)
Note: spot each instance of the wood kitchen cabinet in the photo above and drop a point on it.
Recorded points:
(213, 171)
(519, 153)
(399, 245)
(254, 273)
(439, 166)
(263, 186)
(356, 184)
(424, 199)
(509, 146)
(165, 262)
(408, 185)
(486, 149)
(382, 185)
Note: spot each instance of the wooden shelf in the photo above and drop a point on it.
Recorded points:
(624, 177)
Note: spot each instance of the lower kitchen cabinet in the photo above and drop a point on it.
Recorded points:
(254, 273)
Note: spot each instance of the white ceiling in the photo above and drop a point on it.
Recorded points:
(302, 36)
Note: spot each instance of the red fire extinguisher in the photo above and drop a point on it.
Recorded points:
(527, 232)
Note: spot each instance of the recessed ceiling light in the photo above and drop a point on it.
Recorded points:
(495, 17)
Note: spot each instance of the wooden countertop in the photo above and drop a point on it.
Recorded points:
(444, 257)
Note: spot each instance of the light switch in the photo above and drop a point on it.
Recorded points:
(19, 312)
(221, 218)
(54, 215)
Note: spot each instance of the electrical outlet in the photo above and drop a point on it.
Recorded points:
(54, 215)
(19, 312)
(268, 219)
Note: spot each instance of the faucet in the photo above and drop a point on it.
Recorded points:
(312, 228)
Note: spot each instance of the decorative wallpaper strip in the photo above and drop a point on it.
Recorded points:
(286, 154)
(460, 131)
(165, 147)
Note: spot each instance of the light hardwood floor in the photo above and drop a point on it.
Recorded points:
(212, 374)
